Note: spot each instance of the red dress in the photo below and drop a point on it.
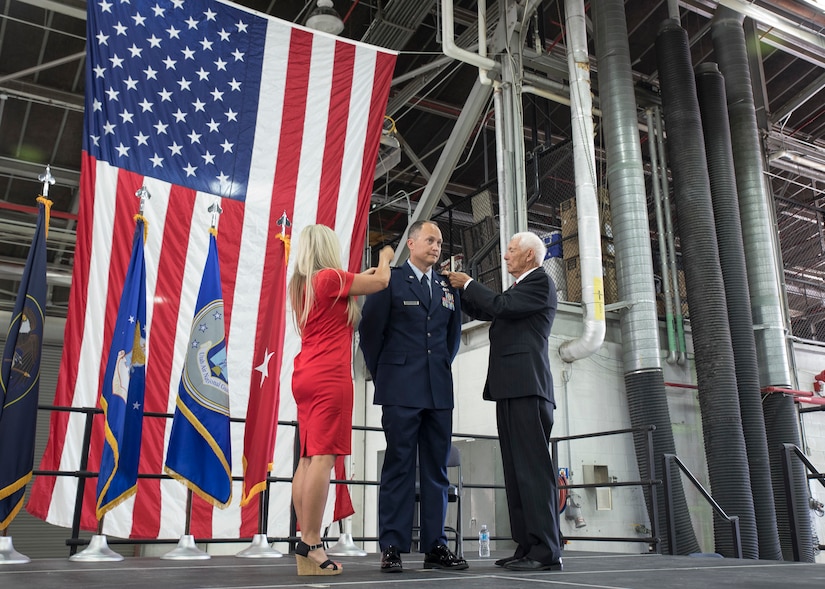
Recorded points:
(322, 379)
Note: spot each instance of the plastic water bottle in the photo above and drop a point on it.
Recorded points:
(484, 542)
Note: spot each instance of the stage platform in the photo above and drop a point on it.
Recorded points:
(581, 570)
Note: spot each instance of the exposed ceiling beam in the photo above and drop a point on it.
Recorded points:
(74, 8)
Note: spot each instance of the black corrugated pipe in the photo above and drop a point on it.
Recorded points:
(764, 274)
(710, 87)
(713, 354)
(641, 349)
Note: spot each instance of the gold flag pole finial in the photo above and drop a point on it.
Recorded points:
(216, 210)
(47, 179)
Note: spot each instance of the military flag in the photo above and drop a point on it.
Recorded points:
(199, 453)
(20, 375)
(124, 385)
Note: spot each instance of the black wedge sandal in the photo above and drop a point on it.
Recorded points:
(308, 567)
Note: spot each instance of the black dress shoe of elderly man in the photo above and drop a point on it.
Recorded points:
(528, 564)
(391, 560)
(503, 561)
(440, 557)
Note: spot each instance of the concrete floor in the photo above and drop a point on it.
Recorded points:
(581, 569)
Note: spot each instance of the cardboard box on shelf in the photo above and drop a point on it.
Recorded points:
(573, 274)
(569, 216)
(570, 248)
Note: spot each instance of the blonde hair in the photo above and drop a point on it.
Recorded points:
(318, 249)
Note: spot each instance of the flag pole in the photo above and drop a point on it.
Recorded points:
(98, 549)
(186, 548)
(260, 546)
(8, 555)
(345, 546)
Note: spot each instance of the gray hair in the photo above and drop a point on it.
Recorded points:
(531, 241)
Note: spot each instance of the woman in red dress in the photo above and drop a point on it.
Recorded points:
(325, 310)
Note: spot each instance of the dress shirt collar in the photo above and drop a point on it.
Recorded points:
(520, 278)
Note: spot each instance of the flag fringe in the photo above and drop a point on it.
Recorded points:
(197, 490)
(13, 513)
(205, 434)
(102, 511)
(9, 490)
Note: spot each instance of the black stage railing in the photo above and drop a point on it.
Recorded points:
(83, 474)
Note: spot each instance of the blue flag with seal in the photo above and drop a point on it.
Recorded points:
(20, 375)
(199, 454)
(124, 386)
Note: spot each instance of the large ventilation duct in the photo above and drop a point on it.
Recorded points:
(763, 267)
(711, 92)
(713, 354)
(644, 381)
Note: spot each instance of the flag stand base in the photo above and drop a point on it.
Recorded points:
(345, 547)
(260, 548)
(186, 550)
(8, 555)
(97, 551)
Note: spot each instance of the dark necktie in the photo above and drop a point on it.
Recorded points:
(428, 295)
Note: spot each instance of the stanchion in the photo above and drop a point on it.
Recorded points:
(8, 555)
(98, 549)
(260, 546)
(345, 546)
(186, 548)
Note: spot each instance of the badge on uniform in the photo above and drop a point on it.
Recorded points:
(448, 300)
(410, 303)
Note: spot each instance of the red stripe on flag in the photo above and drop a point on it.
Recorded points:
(384, 66)
(339, 107)
(264, 394)
(43, 486)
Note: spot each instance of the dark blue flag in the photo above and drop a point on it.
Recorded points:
(124, 385)
(20, 376)
(200, 452)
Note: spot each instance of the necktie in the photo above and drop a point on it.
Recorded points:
(428, 295)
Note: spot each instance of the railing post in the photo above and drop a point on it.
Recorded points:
(737, 537)
(82, 475)
(654, 492)
(667, 460)
(790, 499)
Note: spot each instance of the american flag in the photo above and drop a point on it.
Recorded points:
(193, 100)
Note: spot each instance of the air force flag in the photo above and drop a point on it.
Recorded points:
(199, 453)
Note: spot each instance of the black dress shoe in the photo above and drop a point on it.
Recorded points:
(391, 560)
(528, 564)
(503, 561)
(440, 557)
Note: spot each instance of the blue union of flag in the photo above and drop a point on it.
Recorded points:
(199, 453)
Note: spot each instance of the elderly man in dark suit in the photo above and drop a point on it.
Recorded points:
(519, 381)
(410, 333)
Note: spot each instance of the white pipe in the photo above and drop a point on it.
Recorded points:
(584, 161)
(482, 62)
(505, 221)
(797, 159)
(771, 19)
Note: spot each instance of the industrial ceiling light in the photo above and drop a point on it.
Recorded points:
(324, 18)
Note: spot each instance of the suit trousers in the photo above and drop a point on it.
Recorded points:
(411, 433)
(530, 477)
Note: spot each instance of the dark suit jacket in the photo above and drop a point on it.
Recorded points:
(521, 320)
(404, 341)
